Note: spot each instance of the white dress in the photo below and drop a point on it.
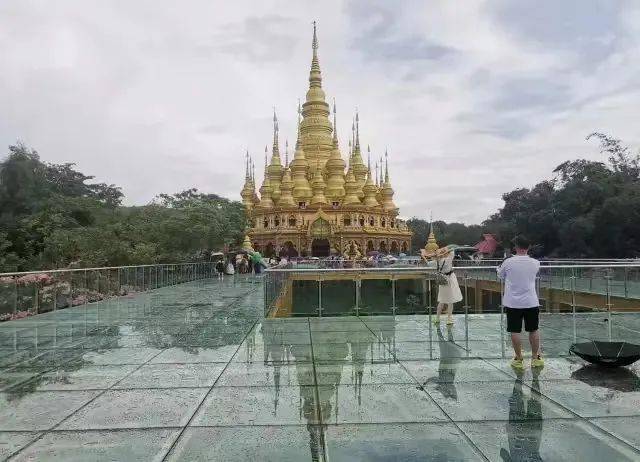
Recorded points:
(449, 293)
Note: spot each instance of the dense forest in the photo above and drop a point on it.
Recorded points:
(52, 216)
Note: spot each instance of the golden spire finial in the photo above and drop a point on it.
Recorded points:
(369, 159)
(377, 184)
(315, 79)
(246, 165)
(265, 159)
(276, 148)
(286, 154)
(357, 130)
(335, 124)
(386, 166)
(314, 43)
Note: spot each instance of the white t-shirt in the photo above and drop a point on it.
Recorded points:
(519, 274)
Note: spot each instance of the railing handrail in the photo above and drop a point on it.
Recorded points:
(69, 270)
(430, 269)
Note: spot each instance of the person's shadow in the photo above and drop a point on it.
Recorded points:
(524, 429)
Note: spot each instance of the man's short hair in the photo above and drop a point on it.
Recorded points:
(521, 242)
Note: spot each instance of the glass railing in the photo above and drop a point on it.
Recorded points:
(292, 292)
(28, 293)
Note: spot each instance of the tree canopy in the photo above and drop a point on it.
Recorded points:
(589, 209)
(52, 216)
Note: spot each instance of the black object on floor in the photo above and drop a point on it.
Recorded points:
(609, 354)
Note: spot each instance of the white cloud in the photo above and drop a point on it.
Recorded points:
(472, 101)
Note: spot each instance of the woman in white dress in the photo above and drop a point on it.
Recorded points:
(448, 293)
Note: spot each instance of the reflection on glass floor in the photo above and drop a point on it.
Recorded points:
(194, 372)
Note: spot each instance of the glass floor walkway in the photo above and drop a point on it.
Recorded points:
(193, 372)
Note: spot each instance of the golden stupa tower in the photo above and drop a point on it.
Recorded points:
(312, 206)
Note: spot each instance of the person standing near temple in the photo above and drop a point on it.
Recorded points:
(449, 289)
(521, 302)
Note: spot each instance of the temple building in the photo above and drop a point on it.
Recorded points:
(318, 204)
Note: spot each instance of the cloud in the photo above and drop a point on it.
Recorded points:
(471, 103)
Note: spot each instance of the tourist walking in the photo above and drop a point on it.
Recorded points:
(448, 287)
(521, 302)
(220, 269)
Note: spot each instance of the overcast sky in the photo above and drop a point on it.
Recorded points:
(472, 99)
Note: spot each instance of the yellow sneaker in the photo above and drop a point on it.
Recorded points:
(537, 361)
(449, 321)
(517, 363)
(436, 320)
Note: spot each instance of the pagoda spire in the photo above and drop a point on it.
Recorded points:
(432, 243)
(286, 154)
(359, 168)
(286, 185)
(315, 76)
(265, 190)
(247, 190)
(256, 199)
(276, 147)
(318, 186)
(370, 191)
(387, 191)
(351, 189)
(386, 166)
(316, 127)
(335, 167)
(299, 169)
(275, 168)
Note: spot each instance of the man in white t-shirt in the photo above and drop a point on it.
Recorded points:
(521, 302)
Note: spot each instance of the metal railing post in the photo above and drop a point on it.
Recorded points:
(573, 304)
(319, 297)
(626, 280)
(502, 326)
(608, 298)
(393, 295)
(357, 286)
(465, 278)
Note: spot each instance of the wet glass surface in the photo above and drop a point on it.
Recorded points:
(194, 372)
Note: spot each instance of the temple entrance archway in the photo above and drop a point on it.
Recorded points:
(370, 247)
(320, 248)
(288, 250)
(394, 248)
(383, 247)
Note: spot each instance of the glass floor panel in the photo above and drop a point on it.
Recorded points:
(195, 372)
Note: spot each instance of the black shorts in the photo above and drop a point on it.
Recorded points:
(516, 315)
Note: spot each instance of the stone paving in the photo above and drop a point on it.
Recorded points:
(194, 372)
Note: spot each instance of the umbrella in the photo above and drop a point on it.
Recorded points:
(609, 354)
(217, 254)
(614, 378)
(373, 253)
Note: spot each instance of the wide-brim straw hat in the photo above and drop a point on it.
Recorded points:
(440, 253)
(443, 252)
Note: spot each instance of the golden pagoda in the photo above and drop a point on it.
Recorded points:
(311, 206)
(432, 244)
